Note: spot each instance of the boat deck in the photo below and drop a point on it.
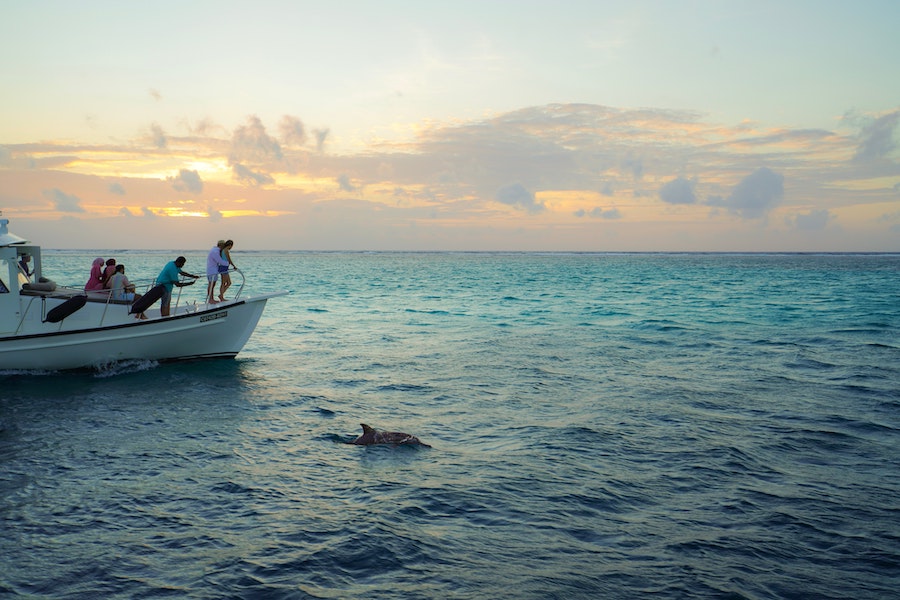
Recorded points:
(65, 293)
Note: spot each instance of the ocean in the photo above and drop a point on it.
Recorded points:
(601, 426)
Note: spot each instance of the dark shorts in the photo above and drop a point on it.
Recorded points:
(166, 299)
(223, 268)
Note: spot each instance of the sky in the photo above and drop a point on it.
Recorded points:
(682, 125)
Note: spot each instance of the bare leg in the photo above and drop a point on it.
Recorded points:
(142, 315)
(226, 283)
(210, 292)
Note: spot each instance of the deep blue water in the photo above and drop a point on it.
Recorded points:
(615, 426)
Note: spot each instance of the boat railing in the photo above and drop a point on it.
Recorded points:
(141, 286)
(179, 291)
(176, 297)
(240, 288)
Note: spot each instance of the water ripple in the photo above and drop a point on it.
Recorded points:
(602, 426)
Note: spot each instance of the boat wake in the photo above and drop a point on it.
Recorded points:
(14, 372)
(123, 367)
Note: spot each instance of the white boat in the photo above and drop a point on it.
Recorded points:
(48, 327)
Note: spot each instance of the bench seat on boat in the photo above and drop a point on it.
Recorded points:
(29, 290)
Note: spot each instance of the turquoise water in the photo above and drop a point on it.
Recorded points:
(686, 426)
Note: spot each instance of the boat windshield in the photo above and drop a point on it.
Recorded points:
(4, 274)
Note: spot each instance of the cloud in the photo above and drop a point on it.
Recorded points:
(159, 136)
(889, 218)
(64, 202)
(187, 181)
(345, 184)
(155, 94)
(148, 212)
(214, 214)
(599, 213)
(643, 161)
(293, 133)
(204, 127)
(125, 212)
(611, 214)
(755, 195)
(251, 144)
(572, 147)
(321, 135)
(250, 177)
(517, 196)
(814, 220)
(635, 166)
(877, 138)
(678, 191)
(537, 150)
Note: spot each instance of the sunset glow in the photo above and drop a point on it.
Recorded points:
(471, 126)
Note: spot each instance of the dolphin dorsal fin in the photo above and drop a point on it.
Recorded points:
(366, 428)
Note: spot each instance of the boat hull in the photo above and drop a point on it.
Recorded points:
(213, 332)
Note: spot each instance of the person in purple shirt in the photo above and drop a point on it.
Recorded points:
(214, 260)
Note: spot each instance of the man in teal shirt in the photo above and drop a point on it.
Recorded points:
(171, 276)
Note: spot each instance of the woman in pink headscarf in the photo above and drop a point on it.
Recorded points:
(96, 280)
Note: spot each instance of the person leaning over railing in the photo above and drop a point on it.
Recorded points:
(226, 277)
(171, 276)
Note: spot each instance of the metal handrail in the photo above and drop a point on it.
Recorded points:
(240, 288)
(243, 281)
(105, 296)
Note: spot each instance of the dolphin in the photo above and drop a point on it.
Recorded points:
(371, 436)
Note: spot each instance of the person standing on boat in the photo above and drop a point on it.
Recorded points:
(214, 263)
(171, 276)
(95, 282)
(223, 270)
